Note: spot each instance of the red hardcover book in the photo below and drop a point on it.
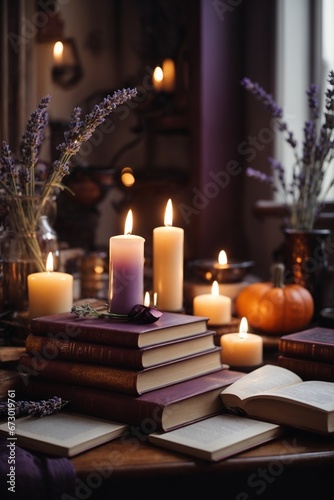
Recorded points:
(308, 369)
(120, 379)
(170, 326)
(315, 343)
(101, 354)
(160, 410)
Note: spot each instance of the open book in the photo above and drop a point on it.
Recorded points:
(275, 394)
(62, 434)
(217, 437)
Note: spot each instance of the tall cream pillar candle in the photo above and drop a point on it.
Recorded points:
(168, 242)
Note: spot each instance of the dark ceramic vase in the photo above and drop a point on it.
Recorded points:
(305, 257)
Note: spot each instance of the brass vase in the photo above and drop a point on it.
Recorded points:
(305, 257)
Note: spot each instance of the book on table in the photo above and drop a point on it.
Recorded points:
(217, 437)
(104, 354)
(315, 343)
(63, 434)
(159, 410)
(123, 380)
(170, 326)
(275, 394)
(307, 369)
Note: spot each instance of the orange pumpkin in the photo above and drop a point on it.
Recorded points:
(273, 307)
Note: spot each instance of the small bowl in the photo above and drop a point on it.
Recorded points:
(208, 270)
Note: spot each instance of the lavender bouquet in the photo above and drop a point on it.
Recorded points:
(23, 191)
(305, 193)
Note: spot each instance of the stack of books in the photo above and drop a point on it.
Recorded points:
(161, 375)
(309, 353)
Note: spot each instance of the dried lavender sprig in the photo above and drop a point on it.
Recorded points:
(306, 187)
(41, 408)
(79, 132)
(32, 140)
(269, 103)
(8, 171)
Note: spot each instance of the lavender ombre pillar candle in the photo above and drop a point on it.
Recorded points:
(126, 272)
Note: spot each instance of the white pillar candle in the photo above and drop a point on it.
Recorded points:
(218, 308)
(242, 349)
(168, 242)
(49, 292)
(126, 270)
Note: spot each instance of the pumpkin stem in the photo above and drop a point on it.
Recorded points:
(277, 275)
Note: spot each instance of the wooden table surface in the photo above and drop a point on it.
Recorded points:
(126, 467)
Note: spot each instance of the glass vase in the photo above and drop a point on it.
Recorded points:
(306, 261)
(25, 245)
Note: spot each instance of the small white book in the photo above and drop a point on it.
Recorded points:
(217, 437)
(62, 434)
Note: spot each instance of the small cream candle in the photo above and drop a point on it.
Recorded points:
(242, 349)
(49, 292)
(168, 263)
(218, 308)
(126, 270)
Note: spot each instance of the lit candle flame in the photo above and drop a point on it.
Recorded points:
(243, 328)
(147, 299)
(128, 223)
(158, 75)
(169, 214)
(222, 258)
(58, 50)
(215, 289)
(49, 262)
(155, 299)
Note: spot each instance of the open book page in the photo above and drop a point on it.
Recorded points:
(313, 393)
(264, 379)
(217, 437)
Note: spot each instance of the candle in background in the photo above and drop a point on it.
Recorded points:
(242, 349)
(49, 292)
(147, 299)
(158, 77)
(168, 72)
(222, 258)
(126, 270)
(218, 308)
(58, 51)
(168, 263)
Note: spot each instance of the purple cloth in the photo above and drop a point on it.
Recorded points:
(37, 476)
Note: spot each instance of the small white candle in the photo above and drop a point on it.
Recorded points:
(218, 308)
(58, 51)
(158, 77)
(168, 70)
(49, 292)
(168, 263)
(242, 349)
(126, 270)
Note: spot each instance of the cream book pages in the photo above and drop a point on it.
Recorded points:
(275, 394)
(217, 437)
(63, 434)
